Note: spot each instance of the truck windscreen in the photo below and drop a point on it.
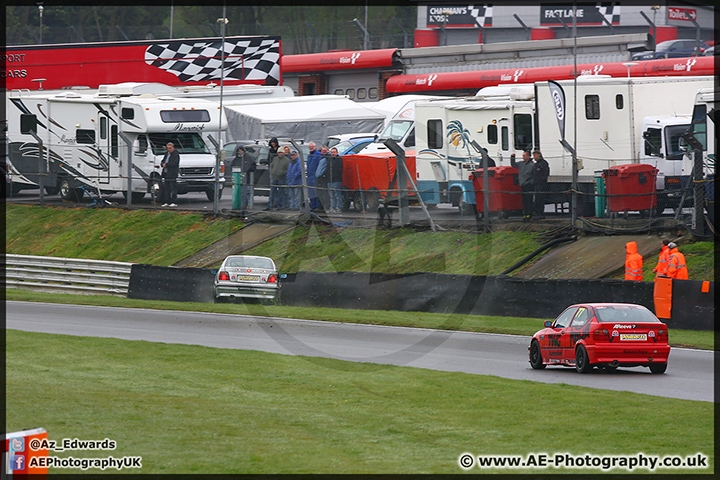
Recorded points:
(188, 142)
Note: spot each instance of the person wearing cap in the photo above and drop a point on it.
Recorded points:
(662, 265)
(677, 268)
(294, 180)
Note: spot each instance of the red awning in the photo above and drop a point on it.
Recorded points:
(446, 81)
(342, 60)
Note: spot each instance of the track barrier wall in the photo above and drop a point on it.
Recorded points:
(693, 301)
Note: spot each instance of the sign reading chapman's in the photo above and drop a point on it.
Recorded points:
(459, 16)
(553, 14)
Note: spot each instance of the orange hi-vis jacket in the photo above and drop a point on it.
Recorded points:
(677, 268)
(662, 265)
(633, 263)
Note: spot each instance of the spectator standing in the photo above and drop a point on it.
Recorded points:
(633, 262)
(294, 181)
(662, 265)
(278, 178)
(322, 175)
(525, 177)
(273, 146)
(171, 166)
(541, 172)
(335, 163)
(677, 268)
(247, 166)
(483, 154)
(312, 163)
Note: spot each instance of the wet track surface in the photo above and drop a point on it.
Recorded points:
(689, 375)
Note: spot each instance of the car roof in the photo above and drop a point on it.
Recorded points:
(607, 304)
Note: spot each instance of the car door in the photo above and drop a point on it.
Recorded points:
(576, 331)
(551, 345)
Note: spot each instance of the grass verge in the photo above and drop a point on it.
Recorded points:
(193, 409)
(470, 323)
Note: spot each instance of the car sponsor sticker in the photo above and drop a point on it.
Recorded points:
(633, 336)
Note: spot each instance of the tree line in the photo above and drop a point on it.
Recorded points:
(304, 29)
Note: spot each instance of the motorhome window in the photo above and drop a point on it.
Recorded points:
(699, 125)
(190, 142)
(435, 134)
(523, 131)
(85, 136)
(592, 107)
(339, 91)
(128, 113)
(410, 141)
(619, 102)
(114, 141)
(505, 132)
(373, 92)
(396, 130)
(492, 136)
(674, 141)
(142, 144)
(103, 127)
(362, 94)
(181, 116)
(350, 92)
(653, 140)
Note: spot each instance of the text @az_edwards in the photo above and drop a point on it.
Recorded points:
(586, 461)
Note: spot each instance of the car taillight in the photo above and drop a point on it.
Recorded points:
(272, 279)
(663, 336)
(223, 276)
(222, 168)
(601, 335)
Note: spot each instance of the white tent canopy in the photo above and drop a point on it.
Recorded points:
(310, 118)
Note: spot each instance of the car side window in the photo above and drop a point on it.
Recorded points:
(564, 319)
(581, 317)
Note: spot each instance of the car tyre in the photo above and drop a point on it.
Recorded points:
(582, 362)
(658, 368)
(536, 360)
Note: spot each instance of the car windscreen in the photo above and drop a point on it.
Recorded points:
(625, 314)
(396, 130)
(249, 262)
(183, 142)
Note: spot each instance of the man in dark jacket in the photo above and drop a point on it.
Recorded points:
(171, 166)
(541, 172)
(247, 165)
(335, 164)
(525, 178)
(313, 159)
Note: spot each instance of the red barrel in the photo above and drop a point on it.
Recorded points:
(542, 33)
(426, 37)
(504, 189)
(631, 187)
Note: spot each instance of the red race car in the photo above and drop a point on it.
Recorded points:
(607, 335)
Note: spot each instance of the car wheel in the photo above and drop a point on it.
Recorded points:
(156, 193)
(372, 199)
(536, 361)
(68, 193)
(136, 197)
(52, 190)
(658, 368)
(210, 192)
(582, 362)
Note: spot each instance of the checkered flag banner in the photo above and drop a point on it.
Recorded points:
(254, 58)
(610, 11)
(482, 14)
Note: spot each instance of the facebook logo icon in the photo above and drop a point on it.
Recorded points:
(17, 462)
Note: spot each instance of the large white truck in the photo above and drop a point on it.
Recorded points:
(617, 124)
(90, 139)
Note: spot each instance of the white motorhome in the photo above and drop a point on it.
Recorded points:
(90, 139)
(399, 125)
(506, 119)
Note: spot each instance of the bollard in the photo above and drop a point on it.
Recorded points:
(237, 188)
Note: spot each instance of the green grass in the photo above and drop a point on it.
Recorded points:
(468, 323)
(193, 409)
(139, 236)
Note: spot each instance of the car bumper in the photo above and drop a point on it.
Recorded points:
(246, 291)
(642, 354)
